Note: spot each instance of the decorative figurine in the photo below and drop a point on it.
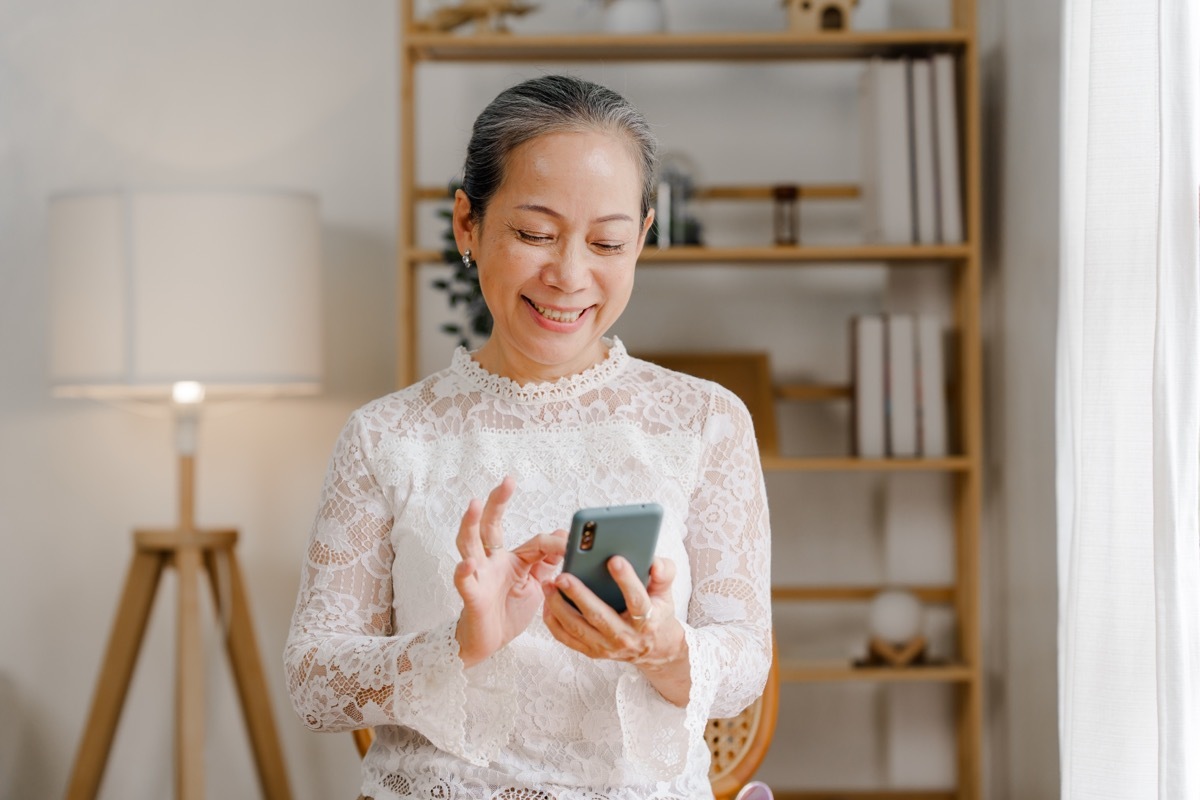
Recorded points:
(812, 16)
(896, 639)
(634, 16)
(787, 215)
(488, 16)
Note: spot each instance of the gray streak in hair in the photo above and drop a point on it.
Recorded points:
(551, 104)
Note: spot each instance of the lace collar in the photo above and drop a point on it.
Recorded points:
(564, 388)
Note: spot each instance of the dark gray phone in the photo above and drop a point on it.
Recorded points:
(598, 534)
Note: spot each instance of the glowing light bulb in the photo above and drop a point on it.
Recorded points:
(187, 393)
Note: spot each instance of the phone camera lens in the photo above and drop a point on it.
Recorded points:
(589, 536)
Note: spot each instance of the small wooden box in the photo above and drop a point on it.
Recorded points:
(813, 16)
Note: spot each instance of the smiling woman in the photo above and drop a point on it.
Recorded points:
(555, 250)
(443, 621)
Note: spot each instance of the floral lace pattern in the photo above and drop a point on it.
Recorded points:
(372, 639)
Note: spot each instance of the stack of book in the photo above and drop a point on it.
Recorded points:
(899, 386)
(910, 168)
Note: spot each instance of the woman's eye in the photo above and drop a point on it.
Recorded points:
(609, 247)
(536, 238)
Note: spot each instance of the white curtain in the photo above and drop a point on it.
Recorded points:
(1129, 401)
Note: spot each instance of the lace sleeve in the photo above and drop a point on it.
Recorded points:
(729, 546)
(345, 666)
(728, 627)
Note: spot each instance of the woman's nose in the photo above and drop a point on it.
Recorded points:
(567, 271)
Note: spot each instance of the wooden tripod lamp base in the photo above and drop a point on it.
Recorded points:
(192, 553)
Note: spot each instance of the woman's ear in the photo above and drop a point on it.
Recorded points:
(463, 223)
(645, 230)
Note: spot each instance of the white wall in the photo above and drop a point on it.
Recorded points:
(106, 93)
(116, 93)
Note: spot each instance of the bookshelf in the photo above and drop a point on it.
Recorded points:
(961, 262)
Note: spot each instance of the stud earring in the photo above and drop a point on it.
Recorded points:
(466, 258)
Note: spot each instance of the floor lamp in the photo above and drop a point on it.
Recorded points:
(184, 298)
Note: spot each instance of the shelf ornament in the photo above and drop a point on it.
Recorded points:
(787, 215)
(634, 16)
(813, 16)
(895, 625)
(489, 16)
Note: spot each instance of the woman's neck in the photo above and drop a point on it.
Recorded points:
(497, 359)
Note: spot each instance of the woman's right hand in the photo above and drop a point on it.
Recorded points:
(501, 589)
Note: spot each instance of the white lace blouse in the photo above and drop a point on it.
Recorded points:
(372, 639)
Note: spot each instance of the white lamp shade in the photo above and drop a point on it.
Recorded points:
(151, 288)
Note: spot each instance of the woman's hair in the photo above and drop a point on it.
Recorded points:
(551, 104)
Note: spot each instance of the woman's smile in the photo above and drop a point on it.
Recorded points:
(563, 318)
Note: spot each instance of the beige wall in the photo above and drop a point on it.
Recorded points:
(1021, 122)
(110, 93)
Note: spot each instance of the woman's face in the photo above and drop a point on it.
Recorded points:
(556, 252)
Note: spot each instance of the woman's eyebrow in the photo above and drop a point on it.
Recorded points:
(551, 212)
(615, 217)
(540, 209)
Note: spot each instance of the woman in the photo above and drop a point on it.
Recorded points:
(446, 630)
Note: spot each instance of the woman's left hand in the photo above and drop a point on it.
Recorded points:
(646, 634)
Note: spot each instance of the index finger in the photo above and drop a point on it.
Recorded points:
(543, 547)
(491, 525)
(467, 541)
(637, 600)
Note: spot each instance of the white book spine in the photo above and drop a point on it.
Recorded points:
(931, 388)
(662, 214)
(886, 173)
(946, 114)
(926, 214)
(901, 386)
(869, 147)
(870, 435)
(895, 153)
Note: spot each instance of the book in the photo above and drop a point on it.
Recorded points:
(867, 349)
(945, 112)
(868, 155)
(925, 211)
(931, 387)
(662, 214)
(886, 167)
(900, 386)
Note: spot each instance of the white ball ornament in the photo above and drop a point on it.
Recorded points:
(895, 616)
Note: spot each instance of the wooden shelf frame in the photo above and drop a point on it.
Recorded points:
(801, 671)
(956, 464)
(756, 192)
(963, 260)
(813, 392)
(722, 46)
(852, 794)
(934, 595)
(780, 255)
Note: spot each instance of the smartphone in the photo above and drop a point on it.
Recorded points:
(598, 534)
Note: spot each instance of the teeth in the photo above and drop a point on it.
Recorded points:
(557, 316)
